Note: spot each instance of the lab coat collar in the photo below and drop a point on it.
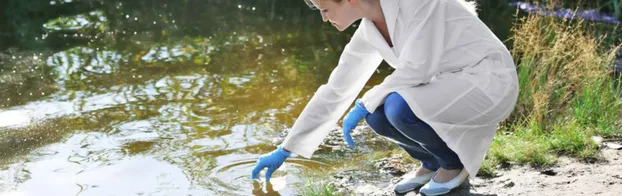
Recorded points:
(390, 11)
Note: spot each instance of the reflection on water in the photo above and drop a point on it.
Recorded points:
(14, 118)
(234, 176)
(258, 189)
(114, 97)
(101, 163)
(157, 102)
(88, 164)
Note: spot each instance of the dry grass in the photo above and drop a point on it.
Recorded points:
(567, 95)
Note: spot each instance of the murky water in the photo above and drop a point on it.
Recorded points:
(160, 99)
(113, 97)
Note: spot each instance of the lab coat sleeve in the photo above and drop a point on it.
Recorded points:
(357, 63)
(420, 57)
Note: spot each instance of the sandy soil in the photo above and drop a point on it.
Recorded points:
(569, 177)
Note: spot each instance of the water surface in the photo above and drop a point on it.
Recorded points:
(114, 97)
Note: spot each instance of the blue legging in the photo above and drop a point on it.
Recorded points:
(395, 120)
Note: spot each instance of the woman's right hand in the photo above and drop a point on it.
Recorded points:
(272, 161)
(356, 114)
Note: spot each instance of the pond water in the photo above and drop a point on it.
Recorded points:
(118, 97)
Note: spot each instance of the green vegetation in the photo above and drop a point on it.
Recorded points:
(316, 184)
(567, 95)
(318, 189)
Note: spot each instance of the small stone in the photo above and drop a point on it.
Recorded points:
(613, 146)
(597, 140)
(509, 185)
(549, 172)
(391, 166)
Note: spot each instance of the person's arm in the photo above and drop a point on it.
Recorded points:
(356, 64)
(420, 57)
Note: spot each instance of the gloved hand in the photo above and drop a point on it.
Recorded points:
(356, 114)
(272, 161)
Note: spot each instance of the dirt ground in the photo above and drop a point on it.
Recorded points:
(568, 177)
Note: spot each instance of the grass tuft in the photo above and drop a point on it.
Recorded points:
(316, 185)
(567, 95)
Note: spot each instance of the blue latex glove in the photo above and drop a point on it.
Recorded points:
(356, 114)
(272, 161)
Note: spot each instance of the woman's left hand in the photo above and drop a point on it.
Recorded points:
(356, 114)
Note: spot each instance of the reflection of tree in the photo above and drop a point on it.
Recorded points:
(22, 21)
(156, 23)
(236, 67)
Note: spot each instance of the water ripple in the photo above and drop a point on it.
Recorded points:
(235, 177)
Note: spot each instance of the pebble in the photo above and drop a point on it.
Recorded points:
(613, 145)
(392, 166)
(549, 172)
(509, 185)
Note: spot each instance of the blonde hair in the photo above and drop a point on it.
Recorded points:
(310, 3)
(469, 5)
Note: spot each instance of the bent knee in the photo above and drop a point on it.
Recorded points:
(397, 110)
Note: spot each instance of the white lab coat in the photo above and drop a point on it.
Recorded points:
(453, 72)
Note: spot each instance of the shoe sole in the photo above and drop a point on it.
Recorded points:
(406, 191)
(441, 193)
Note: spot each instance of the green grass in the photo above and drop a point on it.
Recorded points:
(567, 96)
(318, 189)
(316, 184)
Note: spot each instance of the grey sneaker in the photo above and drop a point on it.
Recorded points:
(410, 182)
